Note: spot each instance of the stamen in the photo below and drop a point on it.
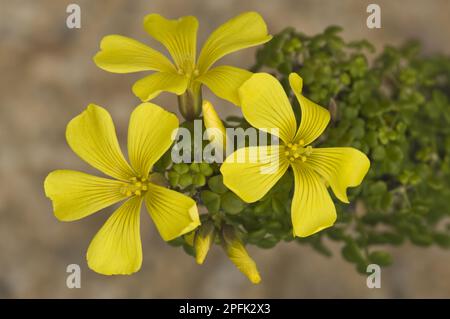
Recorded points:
(137, 186)
(308, 150)
(295, 151)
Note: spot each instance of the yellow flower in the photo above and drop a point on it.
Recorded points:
(266, 106)
(204, 238)
(216, 132)
(120, 54)
(238, 255)
(116, 249)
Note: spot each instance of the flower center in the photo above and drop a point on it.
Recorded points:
(136, 186)
(191, 74)
(297, 151)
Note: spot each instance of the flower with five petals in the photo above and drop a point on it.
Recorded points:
(266, 107)
(116, 248)
(121, 54)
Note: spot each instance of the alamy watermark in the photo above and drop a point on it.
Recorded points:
(374, 279)
(73, 20)
(374, 19)
(74, 278)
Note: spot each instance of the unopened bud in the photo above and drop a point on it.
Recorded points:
(238, 254)
(204, 238)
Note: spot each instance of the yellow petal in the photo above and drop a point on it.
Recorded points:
(204, 238)
(178, 36)
(251, 172)
(314, 118)
(92, 136)
(120, 54)
(152, 85)
(215, 130)
(312, 208)
(266, 106)
(243, 31)
(238, 255)
(341, 167)
(173, 213)
(149, 136)
(76, 195)
(116, 249)
(225, 81)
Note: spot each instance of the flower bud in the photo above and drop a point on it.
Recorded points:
(215, 129)
(237, 253)
(204, 238)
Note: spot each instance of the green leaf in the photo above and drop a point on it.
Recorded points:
(195, 167)
(386, 201)
(215, 184)
(352, 253)
(185, 181)
(206, 169)
(380, 258)
(378, 153)
(394, 153)
(421, 239)
(263, 207)
(198, 180)
(362, 268)
(181, 168)
(189, 250)
(278, 207)
(335, 233)
(321, 248)
(177, 241)
(210, 200)
(174, 178)
(378, 188)
(256, 235)
(268, 242)
(231, 203)
(333, 30)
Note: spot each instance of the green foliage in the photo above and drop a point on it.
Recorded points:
(394, 107)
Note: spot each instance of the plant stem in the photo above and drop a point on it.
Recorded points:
(190, 103)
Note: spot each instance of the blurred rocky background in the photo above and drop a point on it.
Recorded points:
(47, 77)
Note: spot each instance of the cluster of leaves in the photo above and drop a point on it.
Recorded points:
(394, 107)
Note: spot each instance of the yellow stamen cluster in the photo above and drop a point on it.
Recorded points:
(188, 71)
(297, 151)
(137, 186)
